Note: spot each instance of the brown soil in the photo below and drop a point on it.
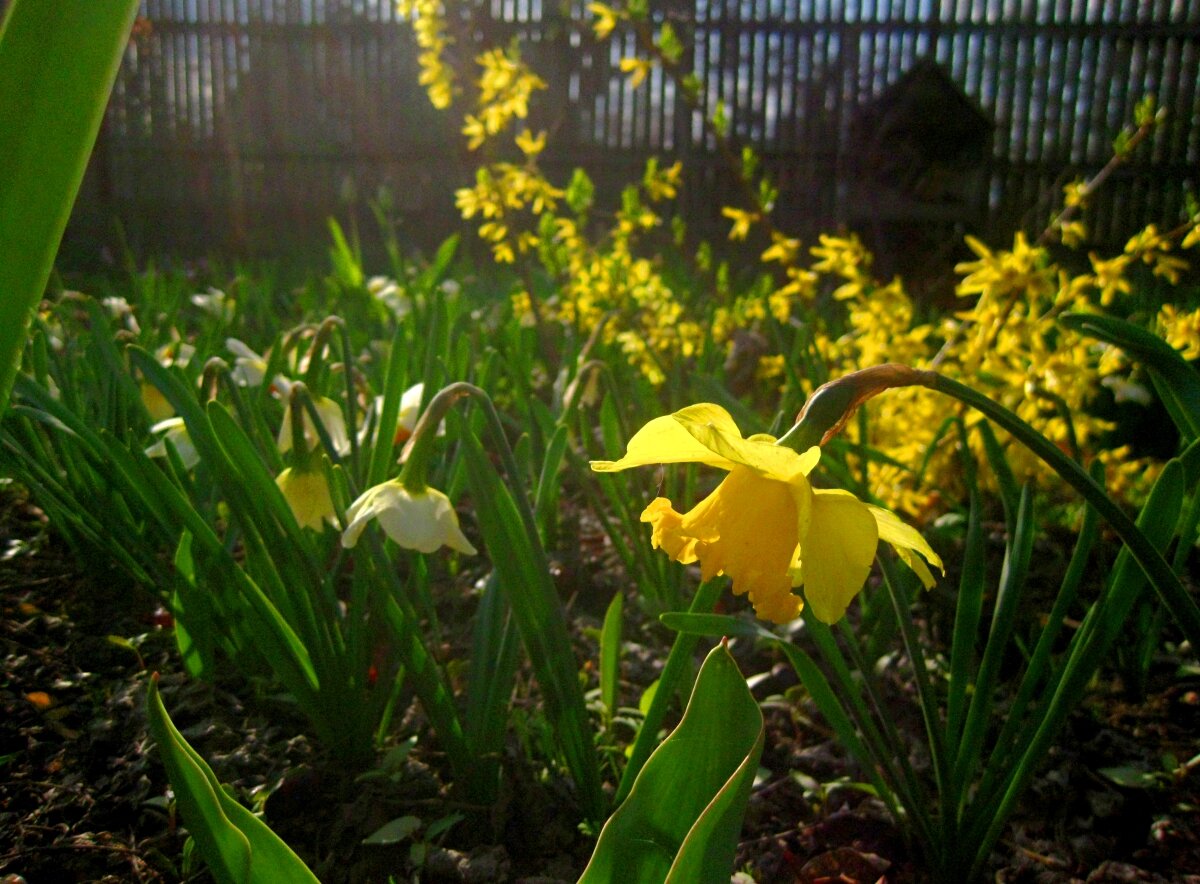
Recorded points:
(83, 796)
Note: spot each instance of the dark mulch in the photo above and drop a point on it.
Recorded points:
(83, 796)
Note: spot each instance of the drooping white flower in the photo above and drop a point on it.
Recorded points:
(387, 291)
(421, 520)
(410, 410)
(156, 403)
(121, 310)
(174, 430)
(406, 417)
(249, 368)
(215, 303)
(332, 419)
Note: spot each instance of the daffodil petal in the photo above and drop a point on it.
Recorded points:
(838, 552)
(307, 495)
(666, 440)
(907, 540)
(714, 429)
(706, 433)
(360, 513)
(176, 433)
(410, 407)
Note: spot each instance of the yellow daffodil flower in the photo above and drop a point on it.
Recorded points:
(765, 526)
(175, 430)
(156, 403)
(421, 520)
(307, 494)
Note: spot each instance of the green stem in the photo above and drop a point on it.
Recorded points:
(1151, 561)
(927, 702)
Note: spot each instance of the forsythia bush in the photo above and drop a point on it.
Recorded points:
(609, 281)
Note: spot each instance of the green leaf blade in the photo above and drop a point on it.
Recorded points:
(682, 817)
(58, 61)
(238, 847)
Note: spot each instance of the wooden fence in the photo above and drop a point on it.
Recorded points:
(244, 123)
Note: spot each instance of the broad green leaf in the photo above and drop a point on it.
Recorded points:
(678, 665)
(682, 818)
(839, 702)
(238, 847)
(58, 61)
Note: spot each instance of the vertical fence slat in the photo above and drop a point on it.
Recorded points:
(239, 106)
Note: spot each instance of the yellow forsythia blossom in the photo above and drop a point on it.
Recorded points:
(606, 19)
(741, 222)
(637, 68)
(1181, 330)
(429, 26)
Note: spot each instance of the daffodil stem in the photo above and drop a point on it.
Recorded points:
(420, 446)
(351, 409)
(418, 453)
(298, 395)
(833, 403)
(316, 352)
(933, 727)
(1151, 561)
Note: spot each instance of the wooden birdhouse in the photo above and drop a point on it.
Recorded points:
(917, 160)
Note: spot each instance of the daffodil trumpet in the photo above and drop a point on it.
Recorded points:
(305, 488)
(305, 483)
(766, 526)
